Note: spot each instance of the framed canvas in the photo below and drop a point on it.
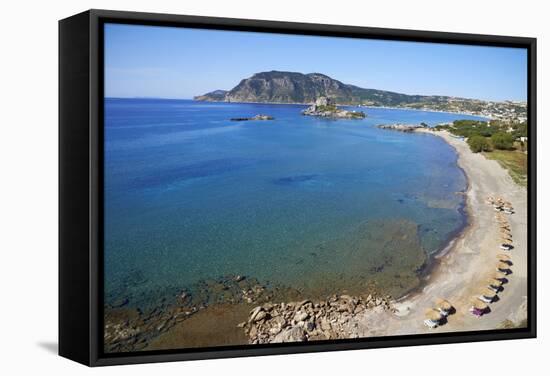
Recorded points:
(235, 187)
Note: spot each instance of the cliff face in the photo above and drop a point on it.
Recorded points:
(293, 87)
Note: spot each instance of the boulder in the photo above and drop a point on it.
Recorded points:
(294, 334)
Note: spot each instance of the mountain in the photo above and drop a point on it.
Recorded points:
(294, 87)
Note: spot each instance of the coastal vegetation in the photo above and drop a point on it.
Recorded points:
(505, 142)
(515, 161)
(479, 143)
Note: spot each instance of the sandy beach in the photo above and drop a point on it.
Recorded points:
(463, 269)
(460, 273)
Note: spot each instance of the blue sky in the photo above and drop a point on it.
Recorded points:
(167, 62)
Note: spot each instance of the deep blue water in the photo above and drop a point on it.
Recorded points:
(190, 194)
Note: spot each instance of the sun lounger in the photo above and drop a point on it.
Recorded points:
(431, 324)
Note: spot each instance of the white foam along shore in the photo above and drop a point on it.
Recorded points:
(463, 271)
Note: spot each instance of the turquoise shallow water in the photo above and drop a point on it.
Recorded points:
(316, 204)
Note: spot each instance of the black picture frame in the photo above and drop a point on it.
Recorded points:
(80, 185)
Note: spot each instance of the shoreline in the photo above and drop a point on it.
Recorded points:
(459, 274)
(436, 257)
(470, 257)
(454, 273)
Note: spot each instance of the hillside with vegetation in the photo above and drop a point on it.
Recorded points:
(504, 142)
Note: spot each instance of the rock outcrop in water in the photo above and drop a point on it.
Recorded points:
(402, 127)
(256, 117)
(325, 107)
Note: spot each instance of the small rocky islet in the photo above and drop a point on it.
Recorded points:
(325, 107)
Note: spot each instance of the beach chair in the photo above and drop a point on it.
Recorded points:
(431, 324)
(485, 299)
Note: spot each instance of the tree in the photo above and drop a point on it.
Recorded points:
(479, 143)
(502, 141)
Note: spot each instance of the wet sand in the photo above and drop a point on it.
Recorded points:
(464, 268)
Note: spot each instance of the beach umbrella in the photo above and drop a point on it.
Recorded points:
(504, 257)
(443, 304)
(488, 293)
(478, 304)
(494, 282)
(503, 266)
(433, 315)
(499, 275)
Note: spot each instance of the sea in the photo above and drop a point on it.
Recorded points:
(324, 206)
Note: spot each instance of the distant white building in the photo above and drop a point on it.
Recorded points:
(523, 139)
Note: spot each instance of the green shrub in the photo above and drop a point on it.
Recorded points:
(479, 143)
(503, 141)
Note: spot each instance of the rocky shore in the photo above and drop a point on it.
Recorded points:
(309, 321)
(324, 107)
(127, 328)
